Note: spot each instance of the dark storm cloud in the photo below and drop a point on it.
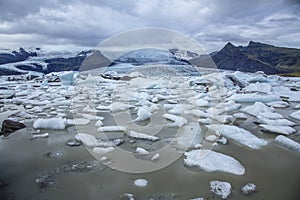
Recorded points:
(88, 22)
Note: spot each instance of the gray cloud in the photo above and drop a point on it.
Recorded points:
(88, 22)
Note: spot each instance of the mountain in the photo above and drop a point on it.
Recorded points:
(15, 56)
(254, 57)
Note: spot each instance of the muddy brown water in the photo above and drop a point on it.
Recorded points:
(273, 169)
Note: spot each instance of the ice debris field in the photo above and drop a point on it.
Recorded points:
(194, 116)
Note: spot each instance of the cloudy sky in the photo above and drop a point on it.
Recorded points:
(85, 23)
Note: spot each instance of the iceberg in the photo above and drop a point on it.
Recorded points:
(253, 97)
(211, 161)
(258, 87)
(140, 182)
(67, 78)
(143, 114)
(295, 115)
(78, 121)
(141, 151)
(103, 150)
(177, 121)
(257, 108)
(111, 128)
(51, 123)
(42, 135)
(87, 139)
(143, 136)
(287, 143)
(285, 130)
(239, 135)
(221, 188)
(248, 188)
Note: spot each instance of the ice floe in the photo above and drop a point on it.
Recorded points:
(50, 123)
(248, 188)
(78, 121)
(257, 108)
(287, 143)
(285, 130)
(112, 128)
(221, 188)
(295, 115)
(239, 135)
(140, 182)
(103, 150)
(177, 120)
(211, 161)
(87, 139)
(143, 114)
(143, 136)
(141, 151)
(42, 135)
(253, 97)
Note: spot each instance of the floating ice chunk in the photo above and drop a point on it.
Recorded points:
(140, 182)
(205, 121)
(297, 106)
(259, 87)
(248, 188)
(42, 135)
(257, 108)
(111, 128)
(239, 135)
(78, 121)
(143, 114)
(278, 104)
(222, 140)
(295, 115)
(176, 110)
(119, 106)
(127, 196)
(87, 139)
(285, 130)
(295, 96)
(287, 143)
(197, 113)
(155, 157)
(274, 122)
(221, 188)
(211, 138)
(200, 102)
(177, 120)
(248, 98)
(92, 117)
(228, 106)
(189, 135)
(143, 136)
(270, 115)
(51, 123)
(103, 150)
(154, 108)
(240, 116)
(211, 161)
(67, 78)
(141, 151)
(99, 123)
(222, 118)
(198, 198)
(88, 109)
(101, 107)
